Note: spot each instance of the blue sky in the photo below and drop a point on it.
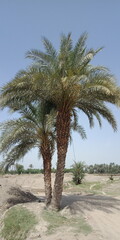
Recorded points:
(24, 22)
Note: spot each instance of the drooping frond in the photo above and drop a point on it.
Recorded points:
(75, 125)
(97, 115)
(16, 153)
(15, 131)
(97, 109)
(79, 129)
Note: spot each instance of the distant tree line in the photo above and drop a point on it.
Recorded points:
(111, 168)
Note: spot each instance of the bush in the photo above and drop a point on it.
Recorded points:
(78, 172)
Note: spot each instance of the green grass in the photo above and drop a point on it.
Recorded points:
(18, 222)
(56, 220)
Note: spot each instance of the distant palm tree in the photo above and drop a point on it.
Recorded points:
(33, 129)
(68, 81)
(78, 170)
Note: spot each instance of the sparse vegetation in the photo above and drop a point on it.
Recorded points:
(56, 220)
(85, 187)
(96, 187)
(17, 223)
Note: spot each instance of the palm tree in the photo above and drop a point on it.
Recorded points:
(68, 81)
(78, 170)
(33, 129)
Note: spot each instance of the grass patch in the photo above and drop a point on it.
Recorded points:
(71, 185)
(55, 221)
(97, 186)
(17, 223)
(84, 187)
(87, 187)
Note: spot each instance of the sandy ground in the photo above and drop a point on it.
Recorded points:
(101, 211)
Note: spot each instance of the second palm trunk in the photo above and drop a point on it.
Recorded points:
(63, 132)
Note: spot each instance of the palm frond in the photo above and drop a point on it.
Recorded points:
(16, 153)
(79, 129)
(14, 132)
(92, 109)
(66, 44)
(50, 50)
(38, 56)
(80, 45)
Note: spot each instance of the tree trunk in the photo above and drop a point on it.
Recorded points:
(46, 154)
(63, 133)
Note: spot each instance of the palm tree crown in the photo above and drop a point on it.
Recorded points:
(66, 79)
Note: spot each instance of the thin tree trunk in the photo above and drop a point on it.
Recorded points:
(63, 132)
(46, 154)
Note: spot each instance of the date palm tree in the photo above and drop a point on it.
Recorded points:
(34, 128)
(67, 80)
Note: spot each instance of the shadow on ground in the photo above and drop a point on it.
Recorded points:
(79, 203)
(20, 196)
(75, 203)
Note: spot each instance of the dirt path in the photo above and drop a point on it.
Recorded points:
(107, 225)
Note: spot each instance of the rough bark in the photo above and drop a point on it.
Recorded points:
(63, 132)
(46, 154)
